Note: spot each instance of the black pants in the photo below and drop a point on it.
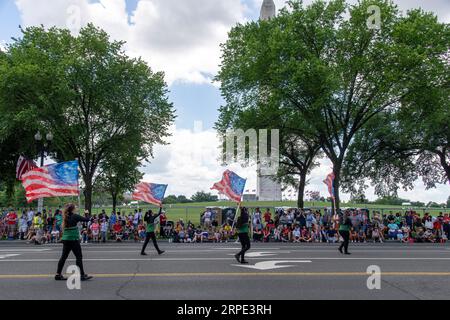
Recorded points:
(150, 235)
(346, 236)
(245, 243)
(75, 247)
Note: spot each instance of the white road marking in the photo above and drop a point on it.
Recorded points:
(4, 256)
(24, 250)
(270, 265)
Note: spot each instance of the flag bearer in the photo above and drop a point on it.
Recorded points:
(149, 218)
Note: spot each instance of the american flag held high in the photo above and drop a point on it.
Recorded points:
(231, 185)
(150, 193)
(23, 166)
(57, 180)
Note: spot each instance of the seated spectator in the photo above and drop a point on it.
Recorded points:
(285, 234)
(296, 234)
(393, 230)
(54, 236)
(257, 234)
(306, 235)
(267, 233)
(354, 236)
(362, 235)
(332, 235)
(118, 231)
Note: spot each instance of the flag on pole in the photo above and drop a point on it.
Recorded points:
(56, 180)
(231, 186)
(329, 181)
(23, 166)
(150, 193)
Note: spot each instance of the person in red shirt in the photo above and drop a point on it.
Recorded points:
(11, 220)
(162, 224)
(267, 216)
(117, 228)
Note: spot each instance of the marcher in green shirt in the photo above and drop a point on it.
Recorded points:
(344, 230)
(149, 218)
(242, 226)
(71, 242)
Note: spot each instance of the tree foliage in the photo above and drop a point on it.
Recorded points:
(332, 72)
(97, 101)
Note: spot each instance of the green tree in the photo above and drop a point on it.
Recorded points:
(204, 197)
(118, 175)
(96, 100)
(334, 72)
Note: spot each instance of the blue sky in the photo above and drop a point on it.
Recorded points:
(182, 38)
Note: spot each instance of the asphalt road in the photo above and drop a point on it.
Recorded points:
(209, 271)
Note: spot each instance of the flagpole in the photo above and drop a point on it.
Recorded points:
(238, 209)
(79, 192)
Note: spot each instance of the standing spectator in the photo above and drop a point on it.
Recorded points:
(95, 228)
(11, 220)
(58, 220)
(23, 226)
(30, 217)
(267, 216)
(104, 229)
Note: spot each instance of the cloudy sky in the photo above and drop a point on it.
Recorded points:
(181, 38)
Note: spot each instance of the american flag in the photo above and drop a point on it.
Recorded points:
(150, 193)
(57, 180)
(231, 186)
(23, 166)
(329, 181)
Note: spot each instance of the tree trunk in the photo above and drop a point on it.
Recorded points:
(114, 201)
(445, 165)
(337, 183)
(301, 191)
(88, 193)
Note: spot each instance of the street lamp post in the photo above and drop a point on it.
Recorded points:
(44, 146)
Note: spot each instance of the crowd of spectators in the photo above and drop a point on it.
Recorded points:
(283, 225)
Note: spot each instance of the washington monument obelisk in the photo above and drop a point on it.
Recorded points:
(267, 188)
(268, 10)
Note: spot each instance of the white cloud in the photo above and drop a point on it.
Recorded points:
(180, 38)
(190, 163)
(2, 45)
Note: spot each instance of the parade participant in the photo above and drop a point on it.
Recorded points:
(344, 231)
(71, 242)
(242, 228)
(150, 220)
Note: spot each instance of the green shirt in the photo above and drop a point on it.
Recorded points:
(59, 219)
(244, 228)
(71, 234)
(150, 227)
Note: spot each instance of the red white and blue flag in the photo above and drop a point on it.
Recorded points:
(23, 166)
(150, 193)
(231, 186)
(329, 181)
(56, 180)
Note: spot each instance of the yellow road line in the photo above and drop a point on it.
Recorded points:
(235, 274)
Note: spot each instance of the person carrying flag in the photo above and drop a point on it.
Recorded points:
(71, 242)
(150, 218)
(242, 229)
